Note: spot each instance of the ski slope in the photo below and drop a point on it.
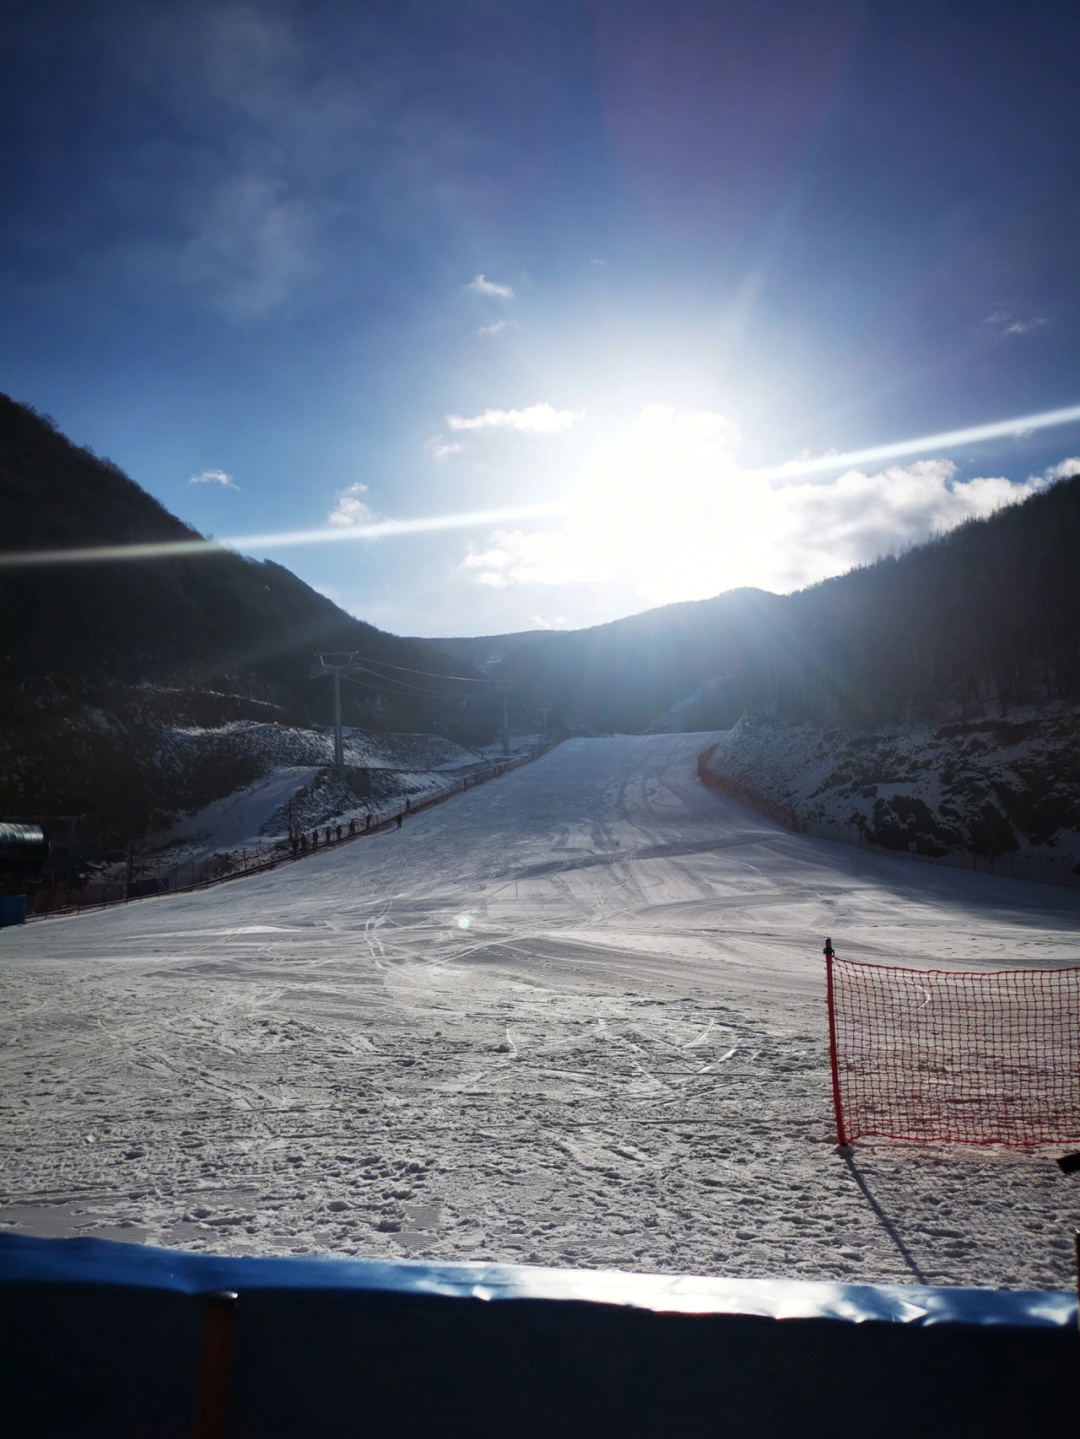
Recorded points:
(237, 821)
(571, 1017)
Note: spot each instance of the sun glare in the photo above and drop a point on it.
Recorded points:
(666, 504)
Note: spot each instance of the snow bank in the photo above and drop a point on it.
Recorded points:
(1007, 792)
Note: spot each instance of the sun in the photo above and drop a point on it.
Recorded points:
(664, 503)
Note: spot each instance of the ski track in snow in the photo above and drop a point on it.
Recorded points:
(571, 1017)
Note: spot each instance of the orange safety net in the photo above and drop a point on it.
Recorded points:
(975, 1058)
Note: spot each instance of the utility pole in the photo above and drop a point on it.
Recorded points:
(505, 724)
(336, 666)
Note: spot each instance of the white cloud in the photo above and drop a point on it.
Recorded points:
(214, 477)
(560, 622)
(1063, 470)
(665, 506)
(541, 419)
(440, 448)
(229, 54)
(825, 529)
(543, 557)
(663, 510)
(672, 426)
(1007, 322)
(493, 329)
(351, 509)
(480, 286)
(335, 145)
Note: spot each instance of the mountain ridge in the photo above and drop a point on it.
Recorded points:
(983, 618)
(99, 660)
(190, 618)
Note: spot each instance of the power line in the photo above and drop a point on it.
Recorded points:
(402, 687)
(346, 666)
(384, 686)
(428, 674)
(404, 684)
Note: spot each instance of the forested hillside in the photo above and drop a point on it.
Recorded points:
(625, 675)
(986, 618)
(100, 659)
(201, 622)
(112, 667)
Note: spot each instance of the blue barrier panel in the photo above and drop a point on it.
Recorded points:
(12, 909)
(102, 1338)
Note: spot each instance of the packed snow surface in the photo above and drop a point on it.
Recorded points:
(573, 1016)
(240, 818)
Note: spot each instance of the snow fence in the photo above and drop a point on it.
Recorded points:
(103, 1339)
(986, 1057)
(743, 794)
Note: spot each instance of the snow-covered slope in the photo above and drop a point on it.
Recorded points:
(132, 760)
(570, 1017)
(297, 787)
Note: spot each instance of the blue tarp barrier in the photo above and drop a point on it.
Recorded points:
(103, 1338)
(12, 909)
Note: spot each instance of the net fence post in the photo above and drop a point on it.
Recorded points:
(834, 1065)
(216, 1366)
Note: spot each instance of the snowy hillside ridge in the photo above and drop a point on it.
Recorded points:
(1006, 791)
(130, 759)
(272, 745)
(377, 768)
(380, 771)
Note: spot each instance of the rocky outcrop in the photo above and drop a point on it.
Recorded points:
(985, 787)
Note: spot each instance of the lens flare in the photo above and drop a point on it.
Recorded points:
(375, 530)
(923, 444)
(391, 528)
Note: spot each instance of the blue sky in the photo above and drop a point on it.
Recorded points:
(592, 274)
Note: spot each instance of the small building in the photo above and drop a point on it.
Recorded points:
(24, 848)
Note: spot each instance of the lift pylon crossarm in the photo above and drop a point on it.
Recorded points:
(335, 665)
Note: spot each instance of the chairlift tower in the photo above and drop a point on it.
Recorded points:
(491, 670)
(335, 666)
(503, 691)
